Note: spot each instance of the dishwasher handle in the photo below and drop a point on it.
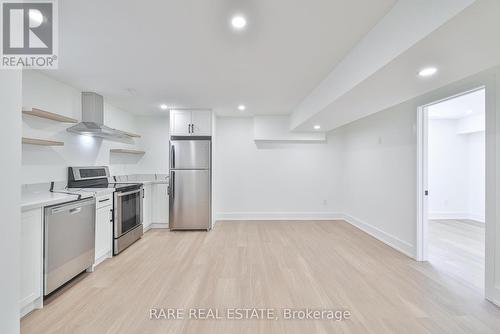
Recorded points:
(75, 211)
(74, 208)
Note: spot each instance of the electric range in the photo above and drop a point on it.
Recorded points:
(127, 202)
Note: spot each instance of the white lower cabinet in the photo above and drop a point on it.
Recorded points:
(155, 206)
(147, 206)
(31, 261)
(103, 229)
(160, 205)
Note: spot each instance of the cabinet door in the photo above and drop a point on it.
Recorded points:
(160, 205)
(103, 233)
(180, 121)
(31, 257)
(202, 122)
(146, 214)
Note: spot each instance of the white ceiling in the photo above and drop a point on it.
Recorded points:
(459, 49)
(140, 54)
(459, 107)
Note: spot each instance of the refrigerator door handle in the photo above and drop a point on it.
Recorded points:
(172, 186)
(172, 155)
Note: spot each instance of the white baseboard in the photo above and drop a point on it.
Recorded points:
(278, 216)
(36, 304)
(478, 218)
(100, 260)
(158, 225)
(455, 216)
(388, 239)
(491, 298)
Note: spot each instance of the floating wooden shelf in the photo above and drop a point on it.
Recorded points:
(48, 115)
(130, 134)
(119, 150)
(41, 142)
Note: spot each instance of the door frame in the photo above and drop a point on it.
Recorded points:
(488, 82)
(423, 172)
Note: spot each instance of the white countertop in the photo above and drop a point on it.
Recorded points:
(33, 200)
(97, 192)
(40, 198)
(144, 182)
(38, 195)
(143, 178)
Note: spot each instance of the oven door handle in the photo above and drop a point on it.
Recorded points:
(128, 193)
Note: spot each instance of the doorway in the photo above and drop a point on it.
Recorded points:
(452, 181)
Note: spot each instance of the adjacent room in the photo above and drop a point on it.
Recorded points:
(250, 166)
(456, 184)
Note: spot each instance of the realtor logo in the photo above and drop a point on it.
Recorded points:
(29, 34)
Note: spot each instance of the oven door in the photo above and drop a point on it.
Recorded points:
(128, 211)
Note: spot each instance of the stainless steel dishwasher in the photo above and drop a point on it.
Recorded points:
(69, 235)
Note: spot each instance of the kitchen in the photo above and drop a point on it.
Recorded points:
(237, 166)
(142, 198)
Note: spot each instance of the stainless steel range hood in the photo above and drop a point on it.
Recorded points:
(92, 123)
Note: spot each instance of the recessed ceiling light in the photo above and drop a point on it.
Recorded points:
(163, 107)
(317, 127)
(427, 72)
(241, 107)
(238, 22)
(468, 112)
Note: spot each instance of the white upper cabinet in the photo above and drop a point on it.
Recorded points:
(180, 123)
(201, 121)
(190, 123)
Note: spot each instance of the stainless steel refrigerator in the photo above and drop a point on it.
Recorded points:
(190, 186)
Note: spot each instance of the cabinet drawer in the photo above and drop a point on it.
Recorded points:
(103, 201)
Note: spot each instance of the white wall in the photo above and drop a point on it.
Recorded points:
(472, 124)
(476, 178)
(456, 171)
(10, 137)
(447, 171)
(43, 164)
(378, 175)
(155, 139)
(273, 181)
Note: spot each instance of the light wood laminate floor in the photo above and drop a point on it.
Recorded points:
(314, 264)
(456, 247)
